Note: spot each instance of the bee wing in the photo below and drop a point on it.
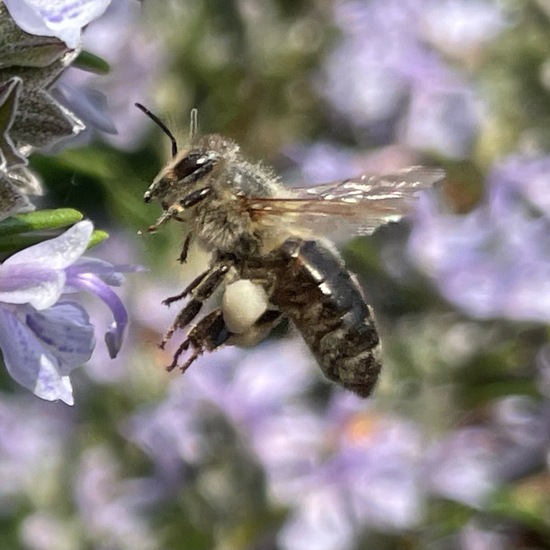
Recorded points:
(359, 205)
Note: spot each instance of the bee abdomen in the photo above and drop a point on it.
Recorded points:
(327, 306)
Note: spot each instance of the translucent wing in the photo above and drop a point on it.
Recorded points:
(361, 204)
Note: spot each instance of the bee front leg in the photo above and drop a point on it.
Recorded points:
(170, 213)
(201, 289)
(207, 335)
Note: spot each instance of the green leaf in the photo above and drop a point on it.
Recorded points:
(39, 220)
(98, 236)
(92, 63)
(19, 242)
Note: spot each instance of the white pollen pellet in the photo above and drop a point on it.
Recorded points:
(243, 303)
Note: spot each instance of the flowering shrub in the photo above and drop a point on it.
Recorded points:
(252, 448)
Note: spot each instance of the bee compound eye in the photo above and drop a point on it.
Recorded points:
(193, 167)
(147, 196)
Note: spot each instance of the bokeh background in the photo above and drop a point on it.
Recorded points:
(253, 449)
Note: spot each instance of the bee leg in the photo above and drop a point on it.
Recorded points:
(169, 214)
(201, 288)
(188, 289)
(195, 197)
(270, 318)
(258, 331)
(207, 335)
(185, 250)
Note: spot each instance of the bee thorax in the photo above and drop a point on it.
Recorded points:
(220, 227)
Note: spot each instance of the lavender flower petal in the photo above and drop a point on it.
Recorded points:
(66, 331)
(113, 276)
(495, 261)
(24, 284)
(44, 339)
(63, 18)
(462, 467)
(36, 274)
(57, 253)
(29, 362)
(321, 523)
(519, 178)
(115, 335)
(89, 105)
(444, 118)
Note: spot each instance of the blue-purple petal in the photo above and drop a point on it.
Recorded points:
(115, 334)
(57, 253)
(88, 105)
(495, 261)
(28, 284)
(106, 271)
(65, 329)
(29, 361)
(443, 118)
(63, 19)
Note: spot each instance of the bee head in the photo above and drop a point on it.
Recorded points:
(185, 168)
(180, 175)
(177, 183)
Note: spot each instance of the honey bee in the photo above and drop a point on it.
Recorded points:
(268, 255)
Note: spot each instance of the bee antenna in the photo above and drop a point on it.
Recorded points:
(161, 125)
(193, 124)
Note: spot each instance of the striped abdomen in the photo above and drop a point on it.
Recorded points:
(323, 300)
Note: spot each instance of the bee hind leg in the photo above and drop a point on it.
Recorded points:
(201, 289)
(207, 335)
(258, 331)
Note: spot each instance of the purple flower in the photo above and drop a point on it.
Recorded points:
(43, 337)
(477, 536)
(88, 104)
(112, 506)
(33, 439)
(472, 462)
(249, 388)
(442, 116)
(383, 75)
(136, 65)
(337, 472)
(522, 428)
(340, 471)
(495, 261)
(366, 475)
(461, 467)
(64, 18)
(460, 27)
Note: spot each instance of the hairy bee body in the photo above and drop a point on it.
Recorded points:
(315, 290)
(219, 223)
(261, 232)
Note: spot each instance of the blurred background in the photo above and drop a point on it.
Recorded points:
(253, 449)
